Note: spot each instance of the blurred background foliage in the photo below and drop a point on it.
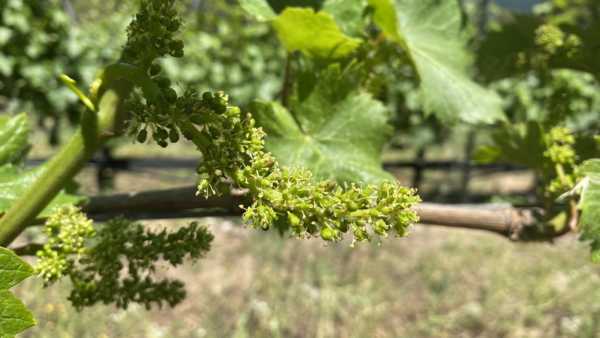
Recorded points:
(227, 50)
(39, 40)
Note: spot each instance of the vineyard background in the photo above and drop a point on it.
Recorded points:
(435, 283)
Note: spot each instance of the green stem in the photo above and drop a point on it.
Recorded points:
(94, 131)
(560, 172)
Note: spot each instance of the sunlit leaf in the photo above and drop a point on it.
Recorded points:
(431, 32)
(316, 34)
(589, 204)
(14, 181)
(259, 9)
(348, 15)
(334, 130)
(14, 133)
(14, 316)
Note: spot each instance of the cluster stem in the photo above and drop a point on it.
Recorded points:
(96, 128)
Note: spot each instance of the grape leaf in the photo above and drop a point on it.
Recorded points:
(259, 9)
(13, 138)
(502, 46)
(589, 203)
(14, 181)
(316, 34)
(521, 144)
(334, 130)
(431, 33)
(348, 15)
(14, 316)
(13, 270)
(265, 10)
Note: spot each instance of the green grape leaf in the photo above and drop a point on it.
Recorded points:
(334, 130)
(259, 9)
(348, 15)
(280, 5)
(265, 10)
(315, 34)
(13, 270)
(521, 144)
(589, 203)
(431, 32)
(14, 316)
(14, 181)
(502, 47)
(14, 133)
(386, 18)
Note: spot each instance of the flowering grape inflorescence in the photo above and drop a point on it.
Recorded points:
(561, 154)
(95, 259)
(234, 155)
(288, 198)
(67, 230)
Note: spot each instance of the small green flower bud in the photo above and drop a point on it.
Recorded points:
(174, 135)
(328, 234)
(162, 143)
(207, 96)
(161, 133)
(155, 69)
(177, 53)
(170, 95)
(380, 228)
(173, 26)
(198, 119)
(163, 82)
(142, 136)
(293, 219)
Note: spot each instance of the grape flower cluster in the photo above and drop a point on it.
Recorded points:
(234, 155)
(67, 230)
(552, 39)
(287, 198)
(560, 151)
(116, 263)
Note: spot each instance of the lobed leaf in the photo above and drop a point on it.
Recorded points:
(521, 144)
(13, 270)
(348, 15)
(259, 9)
(14, 133)
(589, 204)
(315, 34)
(14, 316)
(264, 10)
(431, 32)
(14, 181)
(335, 131)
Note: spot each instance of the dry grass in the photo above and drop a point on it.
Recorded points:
(434, 283)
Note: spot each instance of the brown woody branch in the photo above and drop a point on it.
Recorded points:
(514, 223)
(507, 221)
